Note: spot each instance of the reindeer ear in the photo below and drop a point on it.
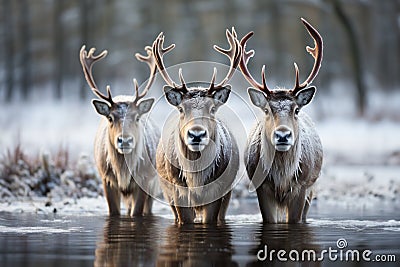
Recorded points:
(257, 97)
(103, 108)
(173, 95)
(304, 97)
(221, 95)
(144, 106)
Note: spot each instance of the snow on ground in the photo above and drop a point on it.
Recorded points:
(360, 141)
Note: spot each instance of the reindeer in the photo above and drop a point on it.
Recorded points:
(198, 158)
(283, 155)
(125, 142)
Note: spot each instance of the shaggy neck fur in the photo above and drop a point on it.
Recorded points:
(127, 165)
(282, 167)
(198, 168)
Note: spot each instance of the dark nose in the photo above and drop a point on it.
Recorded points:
(282, 136)
(196, 135)
(124, 141)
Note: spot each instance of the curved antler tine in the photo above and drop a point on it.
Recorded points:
(183, 83)
(82, 53)
(87, 60)
(234, 53)
(296, 82)
(214, 76)
(246, 55)
(151, 62)
(234, 33)
(316, 53)
(158, 52)
(109, 97)
(263, 77)
(231, 42)
(212, 87)
(136, 87)
(149, 59)
(167, 49)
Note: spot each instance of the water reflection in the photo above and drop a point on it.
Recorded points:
(158, 241)
(197, 245)
(128, 242)
(271, 238)
(154, 241)
(41, 240)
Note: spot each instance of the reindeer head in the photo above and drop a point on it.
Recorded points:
(197, 106)
(282, 106)
(197, 103)
(122, 112)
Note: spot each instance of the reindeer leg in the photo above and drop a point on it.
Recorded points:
(211, 211)
(224, 207)
(139, 199)
(148, 204)
(113, 197)
(307, 207)
(267, 204)
(175, 212)
(296, 207)
(184, 215)
(129, 203)
(171, 203)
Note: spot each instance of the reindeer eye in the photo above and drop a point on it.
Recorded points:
(137, 118)
(180, 109)
(110, 119)
(296, 111)
(212, 110)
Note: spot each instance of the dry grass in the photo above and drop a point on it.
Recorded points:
(45, 175)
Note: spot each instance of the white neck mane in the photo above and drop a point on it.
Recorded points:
(125, 166)
(197, 172)
(282, 167)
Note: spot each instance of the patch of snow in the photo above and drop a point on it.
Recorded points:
(244, 218)
(37, 229)
(359, 141)
(359, 185)
(390, 225)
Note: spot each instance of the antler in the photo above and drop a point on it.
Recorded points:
(234, 54)
(246, 55)
(159, 51)
(151, 62)
(87, 60)
(315, 52)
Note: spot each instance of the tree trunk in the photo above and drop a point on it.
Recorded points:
(84, 17)
(8, 49)
(26, 48)
(355, 54)
(58, 48)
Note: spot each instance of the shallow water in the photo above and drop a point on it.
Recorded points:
(28, 239)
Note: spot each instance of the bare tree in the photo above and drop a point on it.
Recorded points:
(8, 49)
(355, 54)
(58, 48)
(85, 12)
(25, 60)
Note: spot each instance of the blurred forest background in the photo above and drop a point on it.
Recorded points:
(40, 42)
